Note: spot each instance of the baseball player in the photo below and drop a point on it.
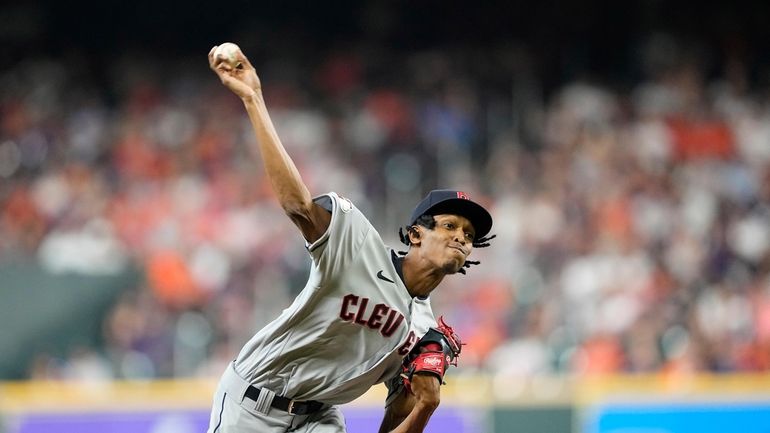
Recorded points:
(364, 316)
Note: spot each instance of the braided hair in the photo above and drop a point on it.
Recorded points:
(429, 222)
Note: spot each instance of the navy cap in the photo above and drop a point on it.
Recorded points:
(448, 201)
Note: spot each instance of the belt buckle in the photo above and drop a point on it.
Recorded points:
(290, 409)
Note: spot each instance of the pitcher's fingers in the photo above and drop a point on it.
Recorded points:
(212, 60)
(245, 61)
(224, 67)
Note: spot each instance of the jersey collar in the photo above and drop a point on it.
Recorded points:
(398, 263)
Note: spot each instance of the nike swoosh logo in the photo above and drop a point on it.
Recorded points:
(384, 278)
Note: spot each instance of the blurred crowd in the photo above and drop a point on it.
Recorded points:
(632, 222)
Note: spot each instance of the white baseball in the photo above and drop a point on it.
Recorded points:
(228, 51)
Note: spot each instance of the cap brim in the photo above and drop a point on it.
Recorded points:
(476, 214)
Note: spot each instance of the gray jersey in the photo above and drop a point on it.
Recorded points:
(351, 325)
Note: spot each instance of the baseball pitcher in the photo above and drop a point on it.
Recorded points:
(364, 316)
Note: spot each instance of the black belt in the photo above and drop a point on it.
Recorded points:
(286, 404)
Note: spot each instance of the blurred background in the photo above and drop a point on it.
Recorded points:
(622, 147)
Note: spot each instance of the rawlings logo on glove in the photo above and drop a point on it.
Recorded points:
(438, 349)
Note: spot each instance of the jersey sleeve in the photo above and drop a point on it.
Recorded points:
(339, 245)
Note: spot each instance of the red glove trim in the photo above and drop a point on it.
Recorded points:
(434, 363)
(431, 362)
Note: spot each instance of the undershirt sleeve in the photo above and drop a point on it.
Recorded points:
(325, 202)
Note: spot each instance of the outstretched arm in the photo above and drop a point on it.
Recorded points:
(410, 412)
(238, 75)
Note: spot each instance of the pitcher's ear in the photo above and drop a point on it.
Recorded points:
(414, 234)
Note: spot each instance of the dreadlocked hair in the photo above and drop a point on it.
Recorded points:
(429, 223)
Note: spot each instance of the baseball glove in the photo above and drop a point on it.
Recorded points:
(438, 349)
